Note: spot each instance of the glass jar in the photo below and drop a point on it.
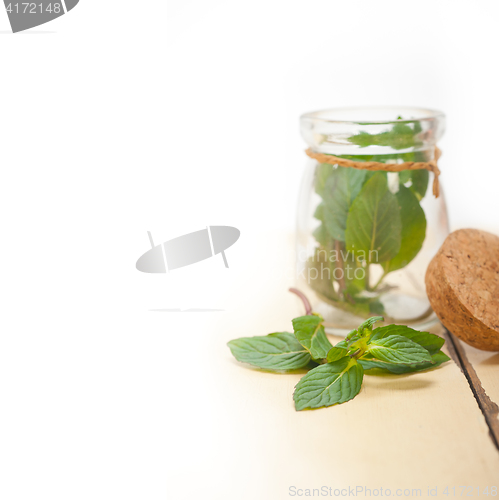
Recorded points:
(367, 230)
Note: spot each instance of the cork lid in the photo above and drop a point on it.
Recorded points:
(462, 283)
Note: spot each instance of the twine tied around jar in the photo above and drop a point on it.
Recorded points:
(431, 165)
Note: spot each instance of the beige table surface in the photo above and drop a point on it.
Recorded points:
(242, 438)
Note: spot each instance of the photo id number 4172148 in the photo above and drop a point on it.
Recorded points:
(34, 8)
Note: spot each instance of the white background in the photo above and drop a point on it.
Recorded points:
(123, 117)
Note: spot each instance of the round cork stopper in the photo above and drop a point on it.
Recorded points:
(462, 283)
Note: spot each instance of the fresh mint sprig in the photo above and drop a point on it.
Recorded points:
(336, 372)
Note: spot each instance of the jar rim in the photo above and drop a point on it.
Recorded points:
(348, 115)
(376, 130)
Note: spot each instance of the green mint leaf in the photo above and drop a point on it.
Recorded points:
(320, 233)
(373, 225)
(349, 336)
(420, 179)
(405, 176)
(431, 342)
(343, 344)
(352, 276)
(368, 323)
(374, 367)
(322, 173)
(413, 230)
(310, 333)
(321, 269)
(277, 351)
(371, 173)
(398, 350)
(319, 212)
(346, 346)
(341, 188)
(401, 136)
(329, 384)
(336, 353)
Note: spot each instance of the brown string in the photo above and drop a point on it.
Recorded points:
(431, 166)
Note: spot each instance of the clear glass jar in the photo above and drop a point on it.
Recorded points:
(366, 237)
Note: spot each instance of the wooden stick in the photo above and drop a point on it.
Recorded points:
(489, 409)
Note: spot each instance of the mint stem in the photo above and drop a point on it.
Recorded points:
(368, 278)
(306, 303)
(375, 287)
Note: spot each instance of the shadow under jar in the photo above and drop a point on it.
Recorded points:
(365, 236)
